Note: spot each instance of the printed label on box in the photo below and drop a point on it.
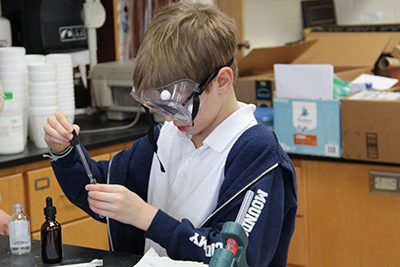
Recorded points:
(305, 139)
(304, 116)
(332, 150)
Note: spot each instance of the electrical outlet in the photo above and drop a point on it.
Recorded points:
(385, 182)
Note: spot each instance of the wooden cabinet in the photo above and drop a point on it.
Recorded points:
(339, 222)
(348, 225)
(31, 183)
(86, 232)
(41, 184)
(78, 228)
(298, 250)
(11, 192)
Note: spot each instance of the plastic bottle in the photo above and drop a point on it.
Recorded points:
(341, 88)
(19, 230)
(11, 126)
(50, 235)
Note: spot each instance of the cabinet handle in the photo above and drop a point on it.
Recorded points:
(1, 198)
(42, 183)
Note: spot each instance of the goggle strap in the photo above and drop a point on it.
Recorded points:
(150, 134)
(196, 104)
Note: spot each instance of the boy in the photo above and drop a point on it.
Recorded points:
(174, 189)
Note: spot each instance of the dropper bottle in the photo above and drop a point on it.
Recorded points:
(50, 233)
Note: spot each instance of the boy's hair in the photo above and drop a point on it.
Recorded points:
(184, 41)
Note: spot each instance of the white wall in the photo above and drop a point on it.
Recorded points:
(352, 12)
(272, 22)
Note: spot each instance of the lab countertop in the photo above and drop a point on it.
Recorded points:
(103, 139)
(32, 153)
(71, 255)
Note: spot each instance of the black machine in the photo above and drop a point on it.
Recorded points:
(46, 26)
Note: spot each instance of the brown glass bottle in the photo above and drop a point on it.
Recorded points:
(50, 233)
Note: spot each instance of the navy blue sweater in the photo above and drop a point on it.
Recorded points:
(256, 162)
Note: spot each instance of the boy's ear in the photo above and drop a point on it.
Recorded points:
(225, 79)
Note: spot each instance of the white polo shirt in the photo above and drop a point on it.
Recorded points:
(189, 188)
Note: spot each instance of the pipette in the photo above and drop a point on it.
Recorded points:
(77, 144)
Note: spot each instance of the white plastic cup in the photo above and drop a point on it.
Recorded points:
(39, 93)
(37, 119)
(12, 75)
(51, 86)
(41, 67)
(44, 100)
(35, 59)
(58, 58)
(35, 77)
(12, 60)
(13, 67)
(13, 51)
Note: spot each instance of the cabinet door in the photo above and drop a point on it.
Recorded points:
(11, 192)
(298, 245)
(301, 194)
(41, 184)
(85, 232)
(348, 224)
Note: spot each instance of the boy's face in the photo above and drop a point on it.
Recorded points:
(209, 110)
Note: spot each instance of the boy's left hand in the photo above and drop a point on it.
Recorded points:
(119, 203)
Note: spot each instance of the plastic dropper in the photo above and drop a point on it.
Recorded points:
(77, 144)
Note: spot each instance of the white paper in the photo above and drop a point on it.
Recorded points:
(93, 263)
(376, 95)
(304, 81)
(378, 82)
(151, 259)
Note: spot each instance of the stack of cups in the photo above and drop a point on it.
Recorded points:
(65, 83)
(13, 79)
(42, 99)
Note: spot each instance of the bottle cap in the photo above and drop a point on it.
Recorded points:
(18, 206)
(49, 211)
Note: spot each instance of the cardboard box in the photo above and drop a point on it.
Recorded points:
(310, 127)
(371, 130)
(256, 80)
(318, 132)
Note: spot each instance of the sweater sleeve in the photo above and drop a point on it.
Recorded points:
(264, 224)
(72, 178)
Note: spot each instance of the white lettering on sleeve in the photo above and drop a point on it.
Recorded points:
(256, 207)
(202, 243)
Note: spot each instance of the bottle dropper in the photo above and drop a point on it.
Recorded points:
(77, 144)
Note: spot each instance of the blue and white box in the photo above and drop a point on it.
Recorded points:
(308, 126)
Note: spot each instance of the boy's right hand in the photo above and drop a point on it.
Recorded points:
(58, 132)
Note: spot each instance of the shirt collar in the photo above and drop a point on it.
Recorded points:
(231, 127)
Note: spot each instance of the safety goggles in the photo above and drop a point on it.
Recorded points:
(179, 100)
(174, 100)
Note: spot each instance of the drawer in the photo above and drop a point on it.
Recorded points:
(85, 232)
(43, 183)
(11, 192)
(298, 246)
